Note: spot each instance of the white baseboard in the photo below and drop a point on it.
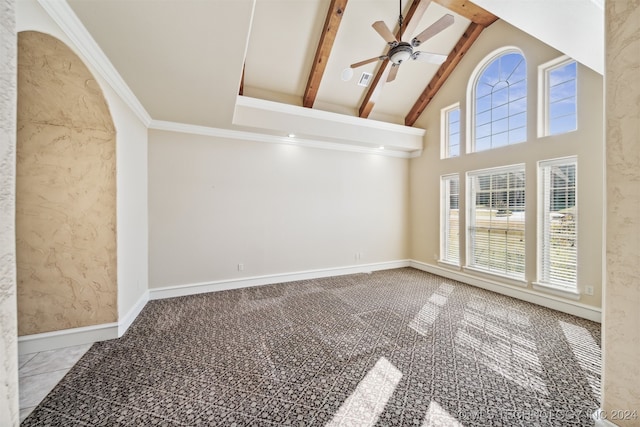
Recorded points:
(128, 318)
(67, 338)
(89, 334)
(83, 335)
(549, 301)
(222, 285)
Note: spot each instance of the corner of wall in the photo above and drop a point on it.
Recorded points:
(9, 408)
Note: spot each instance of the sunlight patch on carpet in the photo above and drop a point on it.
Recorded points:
(368, 400)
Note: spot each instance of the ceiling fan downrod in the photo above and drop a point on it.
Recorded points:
(400, 18)
(400, 51)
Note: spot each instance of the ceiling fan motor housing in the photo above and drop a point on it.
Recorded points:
(400, 53)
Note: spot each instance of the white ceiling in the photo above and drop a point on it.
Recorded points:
(284, 38)
(574, 27)
(183, 59)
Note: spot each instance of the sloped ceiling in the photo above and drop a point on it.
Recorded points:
(278, 65)
(575, 28)
(182, 59)
(186, 60)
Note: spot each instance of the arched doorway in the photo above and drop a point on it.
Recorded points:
(65, 191)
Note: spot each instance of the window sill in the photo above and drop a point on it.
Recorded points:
(498, 277)
(449, 265)
(560, 291)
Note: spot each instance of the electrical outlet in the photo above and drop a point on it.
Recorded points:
(588, 290)
(240, 267)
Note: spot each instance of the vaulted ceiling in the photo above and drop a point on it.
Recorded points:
(186, 61)
(308, 69)
(176, 54)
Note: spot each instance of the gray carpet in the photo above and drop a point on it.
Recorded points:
(393, 348)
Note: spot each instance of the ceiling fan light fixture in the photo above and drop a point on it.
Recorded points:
(400, 53)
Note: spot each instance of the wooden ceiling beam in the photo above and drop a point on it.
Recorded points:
(480, 19)
(329, 31)
(411, 21)
(443, 73)
(413, 17)
(469, 10)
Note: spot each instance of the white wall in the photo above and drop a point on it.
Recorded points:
(586, 143)
(275, 208)
(131, 152)
(9, 415)
(132, 205)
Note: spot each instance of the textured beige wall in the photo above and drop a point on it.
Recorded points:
(586, 143)
(621, 382)
(131, 171)
(66, 191)
(276, 208)
(9, 415)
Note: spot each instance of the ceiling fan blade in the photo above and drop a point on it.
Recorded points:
(432, 30)
(367, 61)
(384, 31)
(393, 73)
(432, 58)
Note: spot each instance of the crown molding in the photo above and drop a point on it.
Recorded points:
(261, 137)
(70, 24)
(62, 14)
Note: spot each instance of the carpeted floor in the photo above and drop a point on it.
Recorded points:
(396, 347)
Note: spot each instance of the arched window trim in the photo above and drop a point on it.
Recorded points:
(471, 91)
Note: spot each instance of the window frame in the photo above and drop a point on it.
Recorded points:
(445, 209)
(544, 95)
(445, 131)
(471, 97)
(470, 193)
(569, 290)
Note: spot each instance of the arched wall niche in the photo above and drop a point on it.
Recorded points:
(65, 191)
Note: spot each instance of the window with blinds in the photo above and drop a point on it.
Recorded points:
(558, 215)
(496, 221)
(450, 219)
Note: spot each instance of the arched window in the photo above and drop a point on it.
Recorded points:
(498, 100)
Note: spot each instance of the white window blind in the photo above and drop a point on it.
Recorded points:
(496, 221)
(558, 214)
(450, 219)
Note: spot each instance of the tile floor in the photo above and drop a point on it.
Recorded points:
(40, 372)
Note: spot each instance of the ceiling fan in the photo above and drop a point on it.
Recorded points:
(400, 51)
